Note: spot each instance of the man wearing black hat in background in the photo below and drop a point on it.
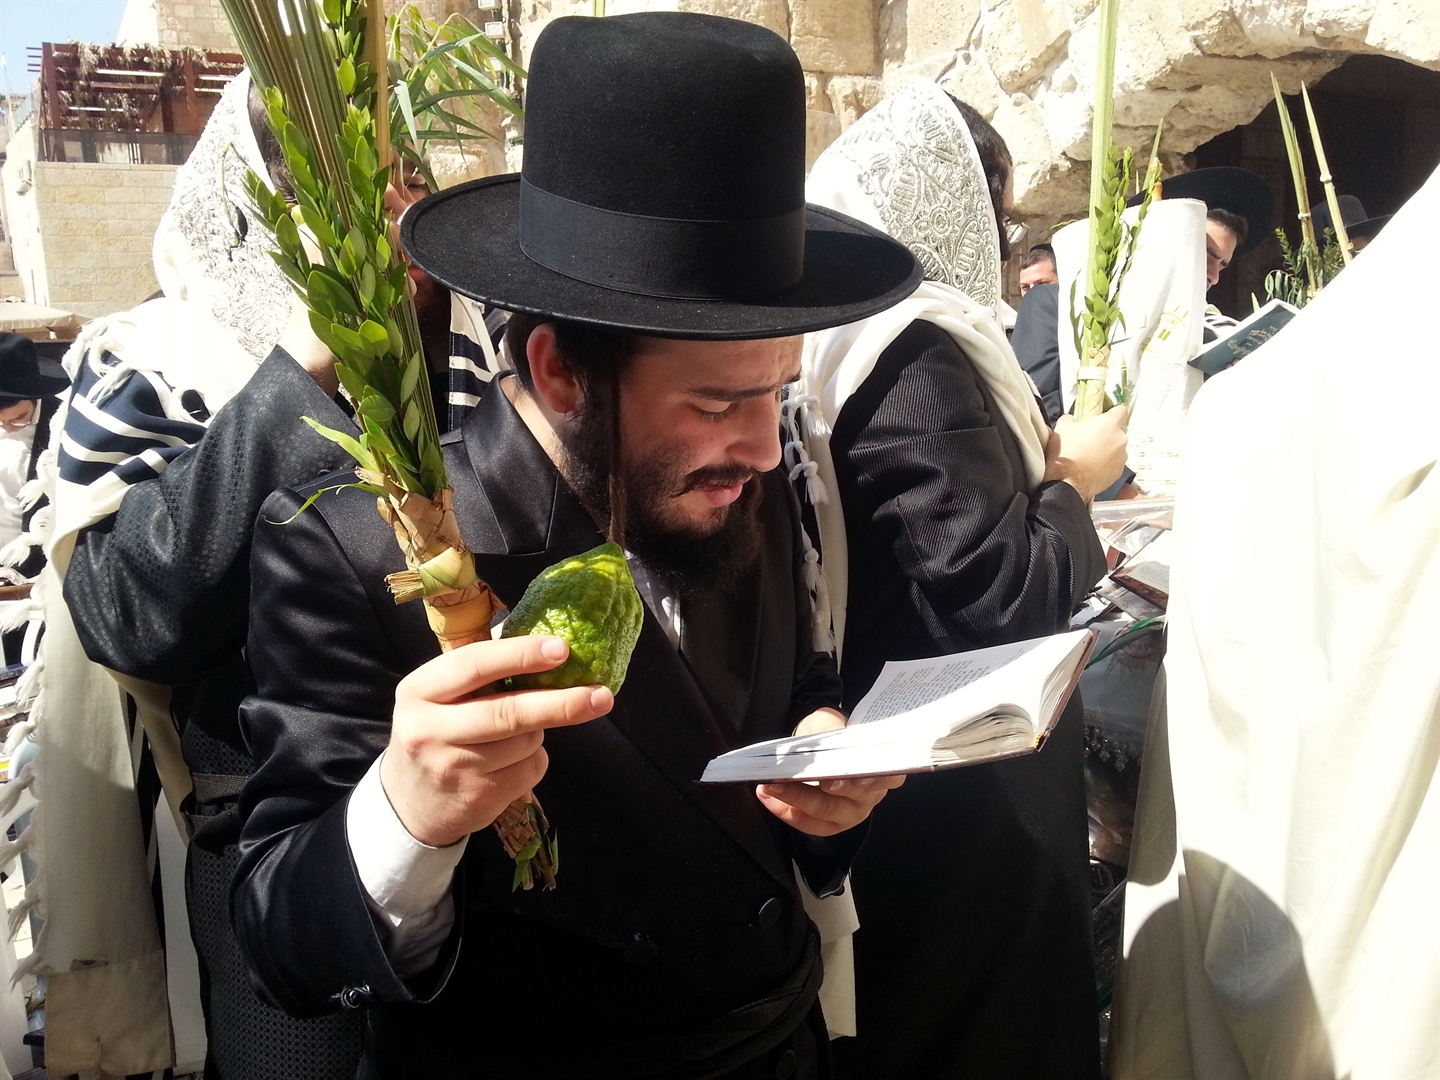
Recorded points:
(1238, 211)
(30, 389)
(1360, 227)
(660, 255)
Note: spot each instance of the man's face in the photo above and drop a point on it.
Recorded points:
(16, 416)
(700, 420)
(1041, 273)
(1220, 244)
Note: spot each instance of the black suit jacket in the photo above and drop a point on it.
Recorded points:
(1037, 347)
(980, 967)
(161, 589)
(676, 902)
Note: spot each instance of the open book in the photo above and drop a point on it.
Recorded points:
(923, 715)
(1245, 338)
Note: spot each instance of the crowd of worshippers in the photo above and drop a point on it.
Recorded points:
(665, 257)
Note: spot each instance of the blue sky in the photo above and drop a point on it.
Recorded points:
(30, 22)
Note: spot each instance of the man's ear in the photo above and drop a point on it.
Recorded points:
(555, 384)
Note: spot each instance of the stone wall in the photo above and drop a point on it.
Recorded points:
(197, 24)
(1201, 66)
(82, 233)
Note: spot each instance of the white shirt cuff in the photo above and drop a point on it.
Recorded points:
(406, 882)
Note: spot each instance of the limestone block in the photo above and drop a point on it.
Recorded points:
(1067, 119)
(920, 29)
(1022, 125)
(1339, 18)
(771, 14)
(821, 129)
(1408, 29)
(852, 96)
(972, 81)
(834, 35)
(1022, 37)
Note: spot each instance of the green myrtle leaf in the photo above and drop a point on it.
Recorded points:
(366, 285)
(375, 336)
(288, 236)
(319, 226)
(346, 76)
(352, 344)
(346, 442)
(412, 421)
(328, 297)
(382, 252)
(332, 11)
(409, 380)
(374, 407)
(355, 384)
(397, 345)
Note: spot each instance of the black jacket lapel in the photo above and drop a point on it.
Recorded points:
(519, 516)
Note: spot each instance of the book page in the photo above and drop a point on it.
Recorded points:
(907, 685)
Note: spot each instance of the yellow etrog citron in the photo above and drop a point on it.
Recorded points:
(590, 601)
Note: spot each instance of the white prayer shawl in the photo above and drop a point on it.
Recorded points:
(1281, 907)
(109, 1005)
(910, 168)
(1163, 304)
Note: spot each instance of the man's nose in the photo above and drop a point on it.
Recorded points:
(758, 444)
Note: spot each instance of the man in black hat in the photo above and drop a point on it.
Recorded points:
(1238, 211)
(662, 261)
(1360, 227)
(30, 388)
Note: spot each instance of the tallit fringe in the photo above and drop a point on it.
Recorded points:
(28, 966)
(21, 911)
(799, 463)
(11, 792)
(11, 849)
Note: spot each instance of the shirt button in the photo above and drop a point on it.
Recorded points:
(785, 1065)
(769, 913)
(641, 951)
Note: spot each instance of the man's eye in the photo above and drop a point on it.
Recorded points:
(715, 414)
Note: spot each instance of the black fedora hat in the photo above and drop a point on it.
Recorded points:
(24, 373)
(1225, 187)
(663, 193)
(1358, 224)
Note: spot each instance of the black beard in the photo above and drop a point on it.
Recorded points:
(686, 560)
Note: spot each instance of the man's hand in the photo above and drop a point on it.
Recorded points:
(1089, 454)
(460, 752)
(827, 807)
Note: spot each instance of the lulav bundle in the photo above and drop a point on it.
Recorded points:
(1112, 238)
(320, 74)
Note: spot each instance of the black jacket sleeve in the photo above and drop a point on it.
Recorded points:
(1037, 346)
(160, 590)
(932, 482)
(325, 673)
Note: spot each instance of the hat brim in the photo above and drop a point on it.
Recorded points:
(1365, 230)
(1226, 187)
(468, 239)
(48, 380)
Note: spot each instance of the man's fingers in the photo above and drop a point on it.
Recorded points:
(458, 675)
(812, 801)
(515, 780)
(1121, 413)
(862, 787)
(517, 712)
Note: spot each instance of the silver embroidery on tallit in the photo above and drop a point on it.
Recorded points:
(915, 160)
(246, 292)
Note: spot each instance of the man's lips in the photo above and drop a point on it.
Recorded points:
(721, 494)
